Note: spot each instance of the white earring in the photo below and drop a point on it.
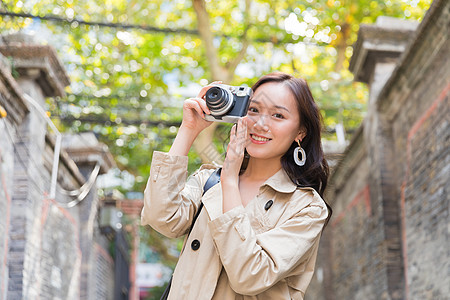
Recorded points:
(302, 151)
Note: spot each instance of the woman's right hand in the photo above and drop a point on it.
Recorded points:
(193, 123)
(194, 110)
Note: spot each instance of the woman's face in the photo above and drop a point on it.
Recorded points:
(273, 121)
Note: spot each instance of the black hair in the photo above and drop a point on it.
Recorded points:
(315, 172)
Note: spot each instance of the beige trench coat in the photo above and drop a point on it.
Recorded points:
(256, 252)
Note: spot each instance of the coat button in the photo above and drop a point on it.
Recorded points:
(195, 245)
(268, 204)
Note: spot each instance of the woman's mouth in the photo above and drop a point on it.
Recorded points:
(259, 139)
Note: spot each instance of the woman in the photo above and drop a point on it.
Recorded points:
(258, 234)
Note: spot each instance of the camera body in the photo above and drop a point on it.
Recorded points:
(227, 103)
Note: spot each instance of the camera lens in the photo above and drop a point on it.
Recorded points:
(219, 100)
(215, 95)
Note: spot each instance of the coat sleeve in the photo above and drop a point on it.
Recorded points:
(169, 201)
(255, 262)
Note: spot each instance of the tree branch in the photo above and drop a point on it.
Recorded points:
(232, 65)
(341, 46)
(100, 24)
(204, 29)
(57, 19)
(123, 121)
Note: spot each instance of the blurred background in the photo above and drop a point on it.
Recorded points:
(120, 71)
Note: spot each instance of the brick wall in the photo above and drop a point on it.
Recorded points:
(48, 250)
(416, 102)
(104, 264)
(59, 261)
(388, 237)
(6, 167)
(9, 90)
(425, 201)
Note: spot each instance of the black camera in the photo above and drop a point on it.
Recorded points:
(227, 103)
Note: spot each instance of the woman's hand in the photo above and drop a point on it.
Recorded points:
(193, 123)
(194, 110)
(229, 176)
(235, 152)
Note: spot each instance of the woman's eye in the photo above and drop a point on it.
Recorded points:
(253, 110)
(279, 116)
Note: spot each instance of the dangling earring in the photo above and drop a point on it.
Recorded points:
(246, 155)
(296, 151)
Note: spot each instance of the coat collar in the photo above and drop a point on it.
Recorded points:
(281, 182)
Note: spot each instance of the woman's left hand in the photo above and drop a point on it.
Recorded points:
(235, 152)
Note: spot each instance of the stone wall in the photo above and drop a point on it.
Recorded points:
(50, 247)
(416, 102)
(388, 237)
(9, 90)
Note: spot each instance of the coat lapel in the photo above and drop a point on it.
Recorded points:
(212, 200)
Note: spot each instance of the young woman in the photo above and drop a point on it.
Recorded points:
(258, 233)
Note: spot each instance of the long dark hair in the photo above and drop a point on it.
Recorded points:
(315, 171)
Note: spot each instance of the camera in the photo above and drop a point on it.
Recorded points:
(227, 103)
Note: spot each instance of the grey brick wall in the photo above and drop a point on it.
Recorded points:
(6, 168)
(103, 263)
(388, 237)
(425, 200)
(416, 103)
(47, 251)
(8, 131)
(60, 255)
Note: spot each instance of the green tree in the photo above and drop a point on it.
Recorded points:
(127, 83)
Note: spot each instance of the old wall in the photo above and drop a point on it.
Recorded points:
(416, 103)
(49, 248)
(388, 237)
(9, 90)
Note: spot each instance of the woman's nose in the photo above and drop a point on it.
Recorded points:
(261, 123)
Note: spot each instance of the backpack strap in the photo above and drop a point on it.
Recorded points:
(213, 179)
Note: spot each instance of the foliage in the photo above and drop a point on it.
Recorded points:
(166, 250)
(156, 292)
(128, 84)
